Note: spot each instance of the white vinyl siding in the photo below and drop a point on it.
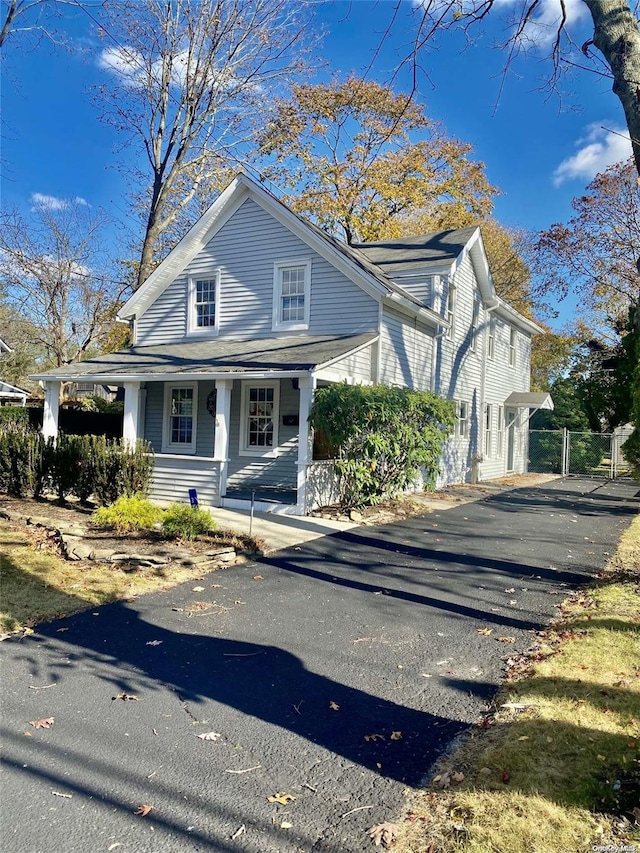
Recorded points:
(245, 250)
(405, 352)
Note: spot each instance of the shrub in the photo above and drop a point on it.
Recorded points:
(127, 513)
(119, 469)
(182, 521)
(25, 460)
(631, 452)
(386, 437)
(11, 414)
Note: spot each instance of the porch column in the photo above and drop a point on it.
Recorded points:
(221, 439)
(307, 386)
(51, 410)
(131, 412)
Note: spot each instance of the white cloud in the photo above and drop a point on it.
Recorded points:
(124, 62)
(540, 30)
(601, 147)
(51, 202)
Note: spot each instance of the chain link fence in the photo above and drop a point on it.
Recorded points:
(588, 453)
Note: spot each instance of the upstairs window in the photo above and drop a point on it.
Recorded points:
(491, 343)
(204, 303)
(450, 311)
(291, 295)
(475, 323)
(513, 337)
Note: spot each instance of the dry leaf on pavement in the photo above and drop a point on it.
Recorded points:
(334, 706)
(126, 697)
(42, 724)
(396, 735)
(374, 737)
(384, 833)
(210, 736)
(282, 797)
(485, 631)
(143, 810)
(506, 639)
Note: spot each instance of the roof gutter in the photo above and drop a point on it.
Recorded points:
(186, 376)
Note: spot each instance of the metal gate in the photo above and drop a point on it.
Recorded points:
(595, 454)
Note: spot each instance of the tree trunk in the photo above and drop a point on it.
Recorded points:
(617, 37)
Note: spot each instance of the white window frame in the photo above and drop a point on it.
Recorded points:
(491, 344)
(278, 324)
(488, 430)
(475, 322)
(462, 423)
(513, 343)
(194, 329)
(500, 432)
(244, 448)
(450, 310)
(169, 446)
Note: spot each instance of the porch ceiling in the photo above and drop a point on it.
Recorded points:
(215, 356)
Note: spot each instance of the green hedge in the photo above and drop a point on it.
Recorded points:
(11, 414)
(81, 465)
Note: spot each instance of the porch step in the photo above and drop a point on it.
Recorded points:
(273, 507)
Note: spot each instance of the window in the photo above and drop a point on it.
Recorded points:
(462, 419)
(512, 348)
(179, 427)
(491, 344)
(291, 295)
(500, 431)
(488, 424)
(259, 418)
(204, 304)
(475, 322)
(450, 312)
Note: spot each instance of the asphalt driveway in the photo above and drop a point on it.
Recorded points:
(335, 671)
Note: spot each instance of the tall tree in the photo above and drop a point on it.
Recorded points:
(616, 38)
(358, 158)
(595, 256)
(189, 83)
(53, 276)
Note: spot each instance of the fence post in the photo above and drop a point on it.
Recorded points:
(613, 452)
(565, 452)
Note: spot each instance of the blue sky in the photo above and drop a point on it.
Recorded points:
(54, 145)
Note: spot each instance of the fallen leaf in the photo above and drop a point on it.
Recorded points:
(42, 724)
(26, 632)
(374, 737)
(524, 737)
(334, 706)
(210, 736)
(505, 777)
(443, 780)
(506, 639)
(61, 630)
(258, 578)
(143, 810)
(485, 631)
(198, 589)
(384, 833)
(511, 589)
(126, 697)
(282, 797)
(396, 735)
(285, 825)
(457, 777)
(114, 845)
(154, 643)
(484, 771)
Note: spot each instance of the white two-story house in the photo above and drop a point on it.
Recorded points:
(255, 308)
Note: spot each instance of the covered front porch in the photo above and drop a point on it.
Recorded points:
(234, 428)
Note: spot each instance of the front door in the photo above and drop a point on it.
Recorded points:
(510, 417)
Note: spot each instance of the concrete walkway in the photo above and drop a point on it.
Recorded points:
(327, 677)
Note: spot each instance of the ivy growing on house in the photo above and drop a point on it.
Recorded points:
(385, 439)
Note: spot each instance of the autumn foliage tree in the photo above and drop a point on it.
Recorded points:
(357, 158)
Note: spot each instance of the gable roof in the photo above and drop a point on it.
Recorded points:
(416, 254)
(354, 265)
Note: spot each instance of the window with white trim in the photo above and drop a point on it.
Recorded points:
(450, 312)
(500, 432)
(475, 322)
(462, 419)
(180, 414)
(491, 343)
(259, 417)
(488, 429)
(513, 337)
(291, 295)
(204, 303)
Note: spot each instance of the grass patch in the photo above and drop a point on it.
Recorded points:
(38, 586)
(561, 770)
